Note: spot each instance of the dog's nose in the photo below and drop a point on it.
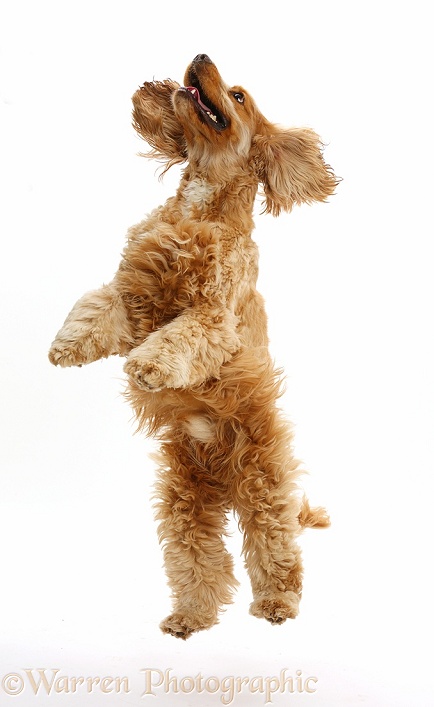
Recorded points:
(202, 57)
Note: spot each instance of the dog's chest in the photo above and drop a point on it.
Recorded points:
(197, 195)
(169, 267)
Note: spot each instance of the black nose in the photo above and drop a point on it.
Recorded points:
(202, 57)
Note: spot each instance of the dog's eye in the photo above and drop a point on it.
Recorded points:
(239, 97)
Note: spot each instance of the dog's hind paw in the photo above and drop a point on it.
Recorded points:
(182, 624)
(276, 607)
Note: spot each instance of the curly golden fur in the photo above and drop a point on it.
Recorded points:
(184, 310)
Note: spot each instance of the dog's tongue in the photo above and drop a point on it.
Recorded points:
(196, 95)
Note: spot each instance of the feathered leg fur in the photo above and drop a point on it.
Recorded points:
(266, 500)
(192, 510)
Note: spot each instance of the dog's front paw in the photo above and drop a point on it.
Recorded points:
(62, 354)
(148, 376)
(276, 607)
(153, 371)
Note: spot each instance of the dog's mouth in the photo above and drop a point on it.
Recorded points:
(206, 109)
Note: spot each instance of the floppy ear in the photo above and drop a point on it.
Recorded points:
(292, 169)
(154, 120)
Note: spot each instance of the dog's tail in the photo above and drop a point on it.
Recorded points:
(312, 517)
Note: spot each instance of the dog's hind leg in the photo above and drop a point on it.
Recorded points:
(192, 509)
(266, 500)
(97, 326)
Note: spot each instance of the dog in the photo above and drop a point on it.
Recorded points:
(184, 310)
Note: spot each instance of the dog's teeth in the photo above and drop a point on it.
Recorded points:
(212, 116)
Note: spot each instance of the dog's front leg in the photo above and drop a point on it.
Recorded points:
(97, 327)
(185, 352)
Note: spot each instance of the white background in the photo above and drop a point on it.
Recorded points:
(349, 293)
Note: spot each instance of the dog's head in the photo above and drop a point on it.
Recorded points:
(222, 134)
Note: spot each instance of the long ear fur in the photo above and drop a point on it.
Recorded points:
(292, 169)
(154, 120)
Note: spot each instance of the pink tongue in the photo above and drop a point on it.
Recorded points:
(196, 95)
